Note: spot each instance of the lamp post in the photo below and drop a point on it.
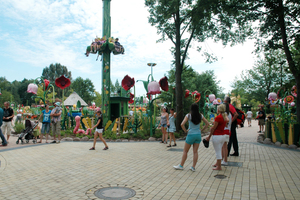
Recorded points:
(151, 65)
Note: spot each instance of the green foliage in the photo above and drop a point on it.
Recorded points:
(84, 88)
(158, 133)
(55, 71)
(19, 127)
(267, 75)
(191, 80)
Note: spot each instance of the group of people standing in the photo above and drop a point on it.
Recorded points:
(222, 134)
(167, 124)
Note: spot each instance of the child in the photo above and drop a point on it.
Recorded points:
(99, 131)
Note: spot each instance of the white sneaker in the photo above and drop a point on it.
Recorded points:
(192, 169)
(224, 163)
(178, 167)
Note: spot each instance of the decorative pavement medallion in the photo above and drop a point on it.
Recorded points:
(114, 192)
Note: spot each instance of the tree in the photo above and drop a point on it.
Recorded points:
(192, 81)
(182, 21)
(98, 99)
(84, 88)
(278, 28)
(268, 74)
(53, 72)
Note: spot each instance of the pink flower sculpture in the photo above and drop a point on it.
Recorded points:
(196, 96)
(163, 82)
(215, 102)
(153, 88)
(187, 93)
(127, 82)
(293, 104)
(62, 82)
(46, 82)
(272, 96)
(32, 88)
(211, 97)
(294, 91)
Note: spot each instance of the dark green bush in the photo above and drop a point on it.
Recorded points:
(19, 127)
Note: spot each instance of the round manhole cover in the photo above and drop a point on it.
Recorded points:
(114, 193)
(220, 176)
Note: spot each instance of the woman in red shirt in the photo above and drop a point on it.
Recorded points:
(218, 134)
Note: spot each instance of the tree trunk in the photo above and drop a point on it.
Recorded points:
(179, 104)
(288, 55)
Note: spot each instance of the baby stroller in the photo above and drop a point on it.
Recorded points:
(27, 133)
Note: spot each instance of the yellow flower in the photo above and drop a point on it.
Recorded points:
(107, 67)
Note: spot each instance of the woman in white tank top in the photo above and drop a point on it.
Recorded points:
(227, 133)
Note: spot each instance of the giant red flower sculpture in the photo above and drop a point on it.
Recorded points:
(32, 88)
(127, 82)
(196, 96)
(46, 84)
(153, 88)
(163, 82)
(187, 93)
(62, 82)
(131, 98)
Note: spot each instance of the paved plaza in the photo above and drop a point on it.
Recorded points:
(70, 171)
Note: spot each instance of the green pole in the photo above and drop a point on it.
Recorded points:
(106, 63)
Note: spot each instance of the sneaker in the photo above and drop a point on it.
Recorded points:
(178, 167)
(192, 169)
(53, 141)
(3, 145)
(58, 141)
(224, 163)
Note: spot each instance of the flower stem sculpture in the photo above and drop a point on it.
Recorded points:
(33, 88)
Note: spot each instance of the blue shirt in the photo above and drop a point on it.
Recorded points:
(1, 116)
(46, 116)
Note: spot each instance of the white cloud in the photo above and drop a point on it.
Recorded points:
(48, 32)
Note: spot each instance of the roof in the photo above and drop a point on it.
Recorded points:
(73, 98)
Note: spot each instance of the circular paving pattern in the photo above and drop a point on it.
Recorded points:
(114, 192)
(220, 176)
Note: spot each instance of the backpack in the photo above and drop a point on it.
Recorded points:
(241, 117)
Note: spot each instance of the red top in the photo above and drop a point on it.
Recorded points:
(232, 109)
(221, 125)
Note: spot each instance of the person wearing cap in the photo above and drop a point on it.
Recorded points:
(56, 117)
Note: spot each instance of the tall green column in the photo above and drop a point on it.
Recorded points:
(106, 63)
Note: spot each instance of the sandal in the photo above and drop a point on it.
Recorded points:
(39, 142)
(105, 148)
(161, 142)
(174, 145)
(169, 146)
(92, 148)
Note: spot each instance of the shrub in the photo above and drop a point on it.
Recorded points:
(19, 127)
(158, 133)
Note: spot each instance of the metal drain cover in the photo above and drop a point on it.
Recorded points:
(220, 176)
(174, 149)
(115, 193)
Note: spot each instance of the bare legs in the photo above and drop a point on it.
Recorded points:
(101, 138)
(224, 152)
(164, 135)
(185, 151)
(172, 136)
(195, 154)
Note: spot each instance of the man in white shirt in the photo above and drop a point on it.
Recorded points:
(249, 117)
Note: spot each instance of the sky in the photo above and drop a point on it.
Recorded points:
(36, 33)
